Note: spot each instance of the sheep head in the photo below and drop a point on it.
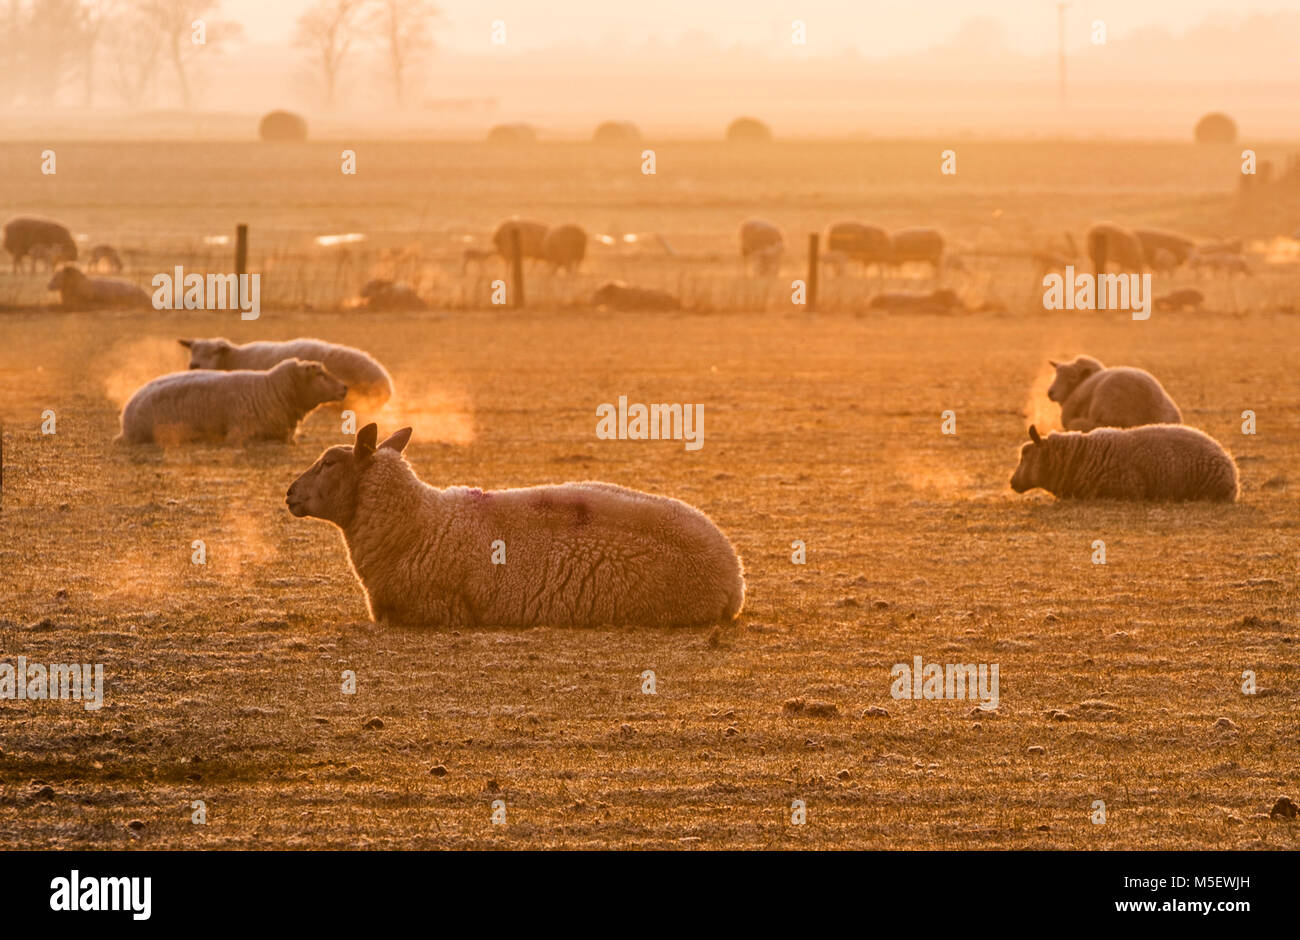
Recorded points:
(312, 383)
(1070, 375)
(328, 490)
(1033, 459)
(209, 353)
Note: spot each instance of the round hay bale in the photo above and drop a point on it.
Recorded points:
(748, 130)
(1216, 128)
(512, 135)
(616, 132)
(282, 125)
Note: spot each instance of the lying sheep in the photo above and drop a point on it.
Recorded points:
(565, 246)
(857, 241)
(104, 258)
(943, 300)
(228, 407)
(1113, 244)
(619, 296)
(383, 294)
(1176, 247)
(577, 554)
(368, 382)
(761, 243)
(532, 239)
(1186, 298)
(1153, 462)
(924, 245)
(25, 233)
(81, 292)
(1092, 396)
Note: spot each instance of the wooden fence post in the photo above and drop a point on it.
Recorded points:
(812, 271)
(517, 266)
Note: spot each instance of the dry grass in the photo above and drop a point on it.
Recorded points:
(224, 681)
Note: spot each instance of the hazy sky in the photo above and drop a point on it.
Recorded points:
(875, 27)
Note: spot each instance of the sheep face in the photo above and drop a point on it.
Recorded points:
(68, 279)
(1070, 376)
(1033, 462)
(328, 490)
(209, 353)
(314, 383)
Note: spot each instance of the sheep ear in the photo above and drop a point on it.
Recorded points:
(187, 343)
(1033, 435)
(1053, 363)
(366, 437)
(397, 440)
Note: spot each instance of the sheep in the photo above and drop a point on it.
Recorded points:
(532, 239)
(1109, 243)
(24, 233)
(1153, 240)
(228, 407)
(860, 242)
(1219, 261)
(368, 382)
(576, 554)
(383, 294)
(1169, 462)
(565, 246)
(762, 243)
(1187, 298)
(619, 296)
(1093, 396)
(104, 257)
(81, 292)
(925, 245)
(937, 301)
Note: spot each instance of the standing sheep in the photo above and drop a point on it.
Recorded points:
(228, 407)
(924, 245)
(82, 293)
(1113, 244)
(565, 246)
(368, 382)
(25, 233)
(1155, 462)
(532, 239)
(577, 554)
(104, 258)
(856, 241)
(762, 243)
(1092, 396)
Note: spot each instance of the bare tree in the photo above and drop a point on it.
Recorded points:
(134, 47)
(93, 16)
(327, 30)
(175, 21)
(50, 56)
(404, 29)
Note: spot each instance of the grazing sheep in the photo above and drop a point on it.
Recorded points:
(860, 242)
(924, 245)
(1187, 298)
(1113, 244)
(1232, 247)
(762, 243)
(619, 296)
(532, 239)
(25, 233)
(1153, 240)
(1093, 396)
(104, 258)
(577, 554)
(81, 292)
(565, 246)
(383, 294)
(368, 382)
(228, 407)
(1153, 462)
(943, 300)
